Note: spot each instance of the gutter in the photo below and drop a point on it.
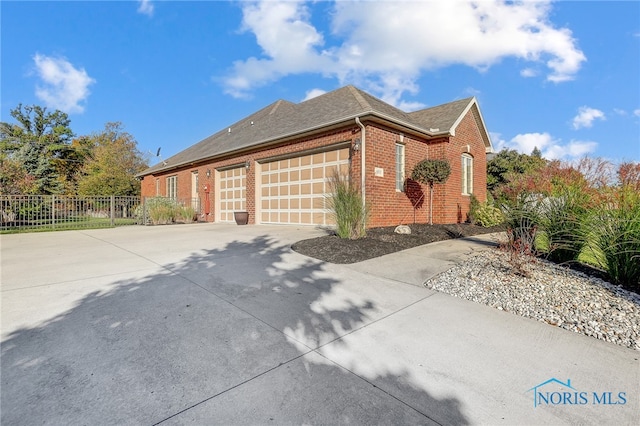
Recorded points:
(362, 163)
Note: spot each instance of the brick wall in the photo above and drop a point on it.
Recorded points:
(452, 206)
(184, 173)
(391, 207)
(388, 206)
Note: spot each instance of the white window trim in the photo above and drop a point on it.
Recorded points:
(467, 174)
(172, 187)
(400, 171)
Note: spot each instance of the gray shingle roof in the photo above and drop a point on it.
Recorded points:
(441, 117)
(284, 119)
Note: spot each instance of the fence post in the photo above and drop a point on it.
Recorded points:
(144, 210)
(113, 211)
(53, 211)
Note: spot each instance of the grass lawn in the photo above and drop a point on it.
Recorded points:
(68, 224)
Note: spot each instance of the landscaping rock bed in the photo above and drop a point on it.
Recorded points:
(554, 294)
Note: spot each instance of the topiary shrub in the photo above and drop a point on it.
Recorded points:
(430, 172)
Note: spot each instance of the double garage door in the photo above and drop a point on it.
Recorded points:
(292, 190)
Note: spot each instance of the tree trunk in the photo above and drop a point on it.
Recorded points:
(431, 204)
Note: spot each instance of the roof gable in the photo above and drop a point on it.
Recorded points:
(448, 116)
(441, 117)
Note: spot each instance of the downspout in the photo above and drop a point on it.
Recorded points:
(362, 163)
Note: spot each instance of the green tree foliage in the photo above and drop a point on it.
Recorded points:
(14, 179)
(70, 168)
(430, 172)
(112, 164)
(39, 142)
(509, 164)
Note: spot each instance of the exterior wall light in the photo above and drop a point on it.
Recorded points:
(208, 173)
(356, 144)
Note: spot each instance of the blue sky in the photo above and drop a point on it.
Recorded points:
(562, 76)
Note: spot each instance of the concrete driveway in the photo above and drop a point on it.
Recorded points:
(221, 324)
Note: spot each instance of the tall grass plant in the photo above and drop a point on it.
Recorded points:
(562, 222)
(347, 209)
(162, 211)
(614, 239)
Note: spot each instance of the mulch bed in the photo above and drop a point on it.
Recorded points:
(381, 241)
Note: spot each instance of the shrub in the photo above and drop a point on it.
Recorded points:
(138, 214)
(522, 221)
(345, 202)
(484, 214)
(474, 205)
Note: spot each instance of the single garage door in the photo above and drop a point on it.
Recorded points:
(233, 192)
(293, 190)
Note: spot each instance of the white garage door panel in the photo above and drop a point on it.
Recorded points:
(233, 193)
(293, 191)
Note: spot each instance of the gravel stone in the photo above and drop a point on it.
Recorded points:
(553, 294)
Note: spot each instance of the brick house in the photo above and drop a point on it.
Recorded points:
(274, 163)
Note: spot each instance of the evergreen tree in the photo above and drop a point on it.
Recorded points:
(38, 142)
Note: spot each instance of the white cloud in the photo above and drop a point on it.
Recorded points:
(528, 72)
(619, 111)
(408, 106)
(526, 142)
(498, 143)
(385, 46)
(313, 93)
(63, 86)
(145, 7)
(572, 150)
(287, 39)
(586, 116)
(636, 112)
(551, 148)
